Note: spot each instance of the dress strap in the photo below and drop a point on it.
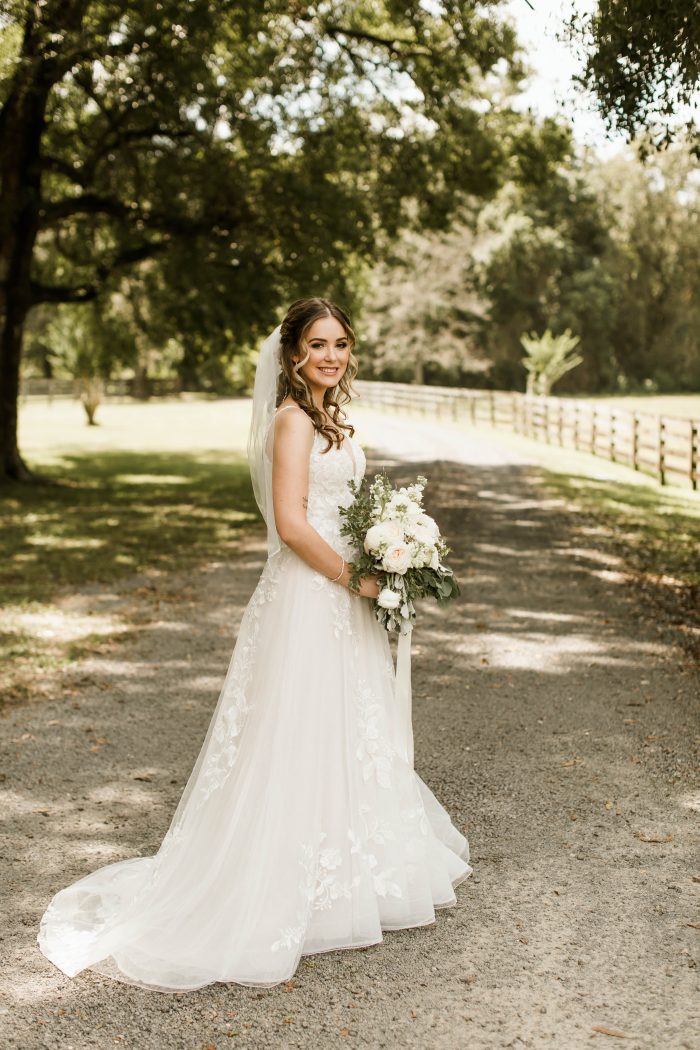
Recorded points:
(277, 412)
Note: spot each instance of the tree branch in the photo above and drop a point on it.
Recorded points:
(87, 203)
(44, 293)
(391, 44)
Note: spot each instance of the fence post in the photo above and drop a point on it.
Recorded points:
(662, 450)
(492, 408)
(472, 409)
(594, 429)
(560, 422)
(611, 451)
(576, 425)
(635, 441)
(694, 432)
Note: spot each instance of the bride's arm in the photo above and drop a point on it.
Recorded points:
(293, 438)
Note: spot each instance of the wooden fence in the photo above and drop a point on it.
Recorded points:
(50, 388)
(664, 446)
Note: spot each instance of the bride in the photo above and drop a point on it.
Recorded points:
(303, 827)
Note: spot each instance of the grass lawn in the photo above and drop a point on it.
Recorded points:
(684, 406)
(153, 487)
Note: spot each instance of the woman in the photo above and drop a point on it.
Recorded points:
(303, 827)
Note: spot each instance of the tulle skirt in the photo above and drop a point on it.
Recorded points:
(303, 827)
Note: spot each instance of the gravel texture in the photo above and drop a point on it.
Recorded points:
(554, 718)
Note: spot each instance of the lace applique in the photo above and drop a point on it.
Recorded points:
(381, 880)
(417, 816)
(374, 751)
(329, 473)
(376, 830)
(319, 887)
(341, 603)
(222, 750)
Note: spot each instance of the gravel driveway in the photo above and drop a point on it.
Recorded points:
(553, 717)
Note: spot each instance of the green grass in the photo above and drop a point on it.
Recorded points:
(658, 529)
(156, 487)
(683, 406)
(149, 489)
(653, 531)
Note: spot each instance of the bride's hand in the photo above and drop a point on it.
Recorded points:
(369, 586)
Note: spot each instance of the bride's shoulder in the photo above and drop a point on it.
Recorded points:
(294, 424)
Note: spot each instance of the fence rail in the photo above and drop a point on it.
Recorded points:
(38, 387)
(664, 446)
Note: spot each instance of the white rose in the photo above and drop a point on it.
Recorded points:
(397, 558)
(382, 535)
(388, 599)
(423, 535)
(426, 522)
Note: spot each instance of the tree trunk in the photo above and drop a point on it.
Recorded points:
(11, 463)
(22, 121)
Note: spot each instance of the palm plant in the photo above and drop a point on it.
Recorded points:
(549, 357)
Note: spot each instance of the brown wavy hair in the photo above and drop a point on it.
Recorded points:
(298, 319)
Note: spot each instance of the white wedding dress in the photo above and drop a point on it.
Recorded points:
(303, 827)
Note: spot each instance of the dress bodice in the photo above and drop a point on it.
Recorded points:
(329, 473)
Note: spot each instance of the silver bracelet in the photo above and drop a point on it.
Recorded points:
(340, 573)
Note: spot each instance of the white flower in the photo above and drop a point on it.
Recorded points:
(428, 523)
(388, 599)
(382, 535)
(423, 535)
(402, 508)
(397, 558)
(435, 560)
(420, 555)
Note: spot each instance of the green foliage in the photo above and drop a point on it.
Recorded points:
(605, 248)
(642, 63)
(220, 160)
(422, 314)
(548, 358)
(610, 253)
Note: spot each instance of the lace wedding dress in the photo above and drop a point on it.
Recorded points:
(303, 827)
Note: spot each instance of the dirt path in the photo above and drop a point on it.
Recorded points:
(552, 717)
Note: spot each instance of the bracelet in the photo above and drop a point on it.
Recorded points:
(340, 573)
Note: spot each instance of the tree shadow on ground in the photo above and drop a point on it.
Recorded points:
(115, 513)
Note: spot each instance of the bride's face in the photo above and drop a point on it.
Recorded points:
(327, 353)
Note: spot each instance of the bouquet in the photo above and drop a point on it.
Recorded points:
(398, 540)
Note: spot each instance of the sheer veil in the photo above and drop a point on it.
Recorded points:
(260, 434)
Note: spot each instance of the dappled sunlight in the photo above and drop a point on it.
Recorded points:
(594, 555)
(64, 543)
(546, 653)
(55, 622)
(150, 479)
(690, 801)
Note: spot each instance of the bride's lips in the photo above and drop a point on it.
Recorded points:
(330, 372)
